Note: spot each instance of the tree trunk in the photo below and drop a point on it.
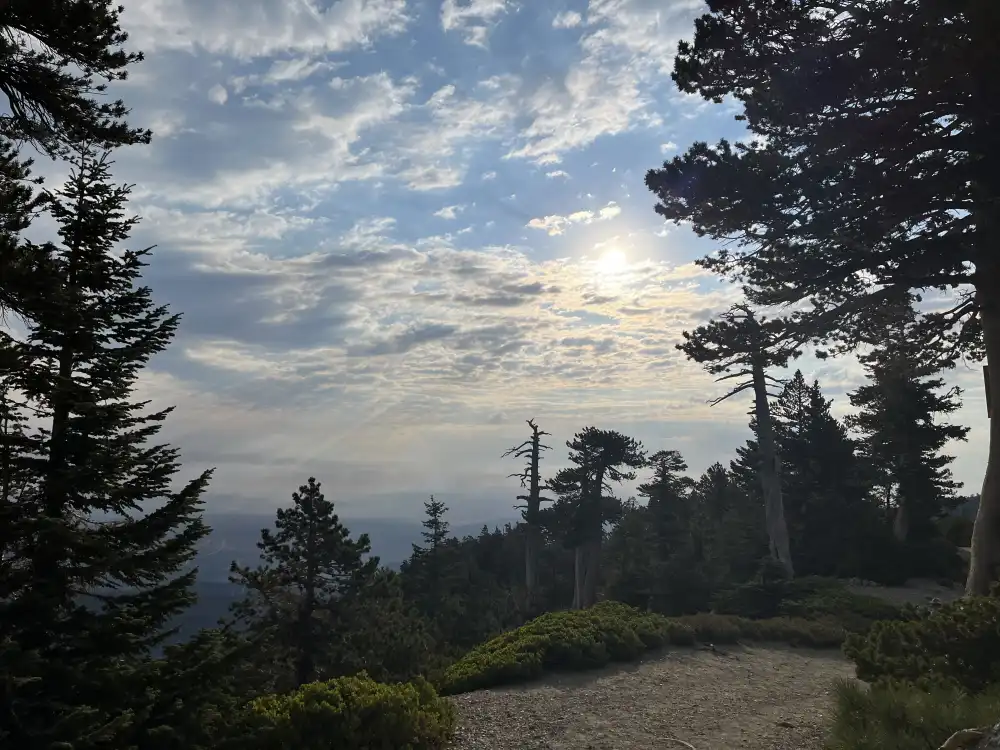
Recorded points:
(591, 580)
(901, 523)
(531, 564)
(306, 663)
(770, 476)
(579, 572)
(984, 567)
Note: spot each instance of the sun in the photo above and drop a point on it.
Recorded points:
(611, 262)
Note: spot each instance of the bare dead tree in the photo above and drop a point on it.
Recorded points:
(530, 478)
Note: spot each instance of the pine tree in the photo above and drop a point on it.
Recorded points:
(678, 582)
(903, 434)
(671, 512)
(873, 180)
(730, 521)
(829, 507)
(739, 345)
(96, 542)
(599, 457)
(311, 569)
(428, 564)
(51, 86)
(20, 201)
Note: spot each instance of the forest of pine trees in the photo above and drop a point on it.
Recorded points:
(97, 535)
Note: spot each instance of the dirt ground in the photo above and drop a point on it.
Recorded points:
(759, 698)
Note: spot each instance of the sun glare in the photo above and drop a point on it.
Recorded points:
(613, 261)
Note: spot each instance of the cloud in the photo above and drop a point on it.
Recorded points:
(555, 224)
(471, 17)
(449, 212)
(330, 311)
(218, 94)
(567, 20)
(257, 28)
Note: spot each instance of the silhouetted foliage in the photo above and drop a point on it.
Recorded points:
(312, 571)
(95, 537)
(903, 435)
(873, 181)
(54, 89)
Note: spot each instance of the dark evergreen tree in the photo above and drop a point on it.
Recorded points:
(586, 501)
(96, 542)
(830, 513)
(875, 180)
(20, 201)
(56, 58)
(311, 571)
(382, 633)
(677, 584)
(430, 560)
(903, 433)
(630, 558)
(730, 523)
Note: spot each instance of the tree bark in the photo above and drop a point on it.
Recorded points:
(592, 573)
(530, 563)
(770, 475)
(984, 566)
(901, 523)
(579, 571)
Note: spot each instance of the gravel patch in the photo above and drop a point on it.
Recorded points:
(772, 698)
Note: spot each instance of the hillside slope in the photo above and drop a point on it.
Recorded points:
(748, 698)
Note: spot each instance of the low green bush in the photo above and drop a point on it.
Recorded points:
(351, 713)
(904, 717)
(710, 627)
(808, 598)
(954, 644)
(611, 631)
(576, 639)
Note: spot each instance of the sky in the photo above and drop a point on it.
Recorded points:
(397, 229)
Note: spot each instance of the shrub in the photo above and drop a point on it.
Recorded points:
(352, 713)
(611, 631)
(904, 717)
(711, 627)
(809, 598)
(579, 639)
(956, 644)
(763, 598)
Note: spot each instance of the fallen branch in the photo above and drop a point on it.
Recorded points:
(964, 738)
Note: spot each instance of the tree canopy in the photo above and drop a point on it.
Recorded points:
(870, 178)
(56, 60)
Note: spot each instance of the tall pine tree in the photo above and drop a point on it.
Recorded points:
(874, 179)
(427, 567)
(900, 421)
(96, 541)
(829, 508)
(312, 569)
